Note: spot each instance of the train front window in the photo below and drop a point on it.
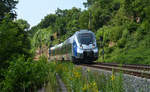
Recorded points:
(86, 38)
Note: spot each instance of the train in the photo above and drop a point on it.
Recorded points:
(79, 48)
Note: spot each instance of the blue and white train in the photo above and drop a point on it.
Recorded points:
(81, 47)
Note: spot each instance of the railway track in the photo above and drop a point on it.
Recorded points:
(136, 70)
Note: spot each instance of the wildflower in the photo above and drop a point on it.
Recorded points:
(86, 87)
(94, 84)
(112, 77)
(77, 75)
(96, 91)
(88, 69)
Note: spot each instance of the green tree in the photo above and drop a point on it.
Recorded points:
(48, 20)
(7, 6)
(14, 40)
(23, 24)
(84, 19)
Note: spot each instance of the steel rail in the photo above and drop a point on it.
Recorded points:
(126, 70)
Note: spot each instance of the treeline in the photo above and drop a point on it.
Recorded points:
(127, 34)
(123, 24)
(58, 26)
(18, 71)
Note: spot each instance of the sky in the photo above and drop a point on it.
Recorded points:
(35, 10)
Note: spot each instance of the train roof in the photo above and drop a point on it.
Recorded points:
(52, 48)
(70, 39)
(56, 46)
(59, 45)
(84, 31)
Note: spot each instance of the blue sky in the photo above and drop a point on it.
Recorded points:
(35, 10)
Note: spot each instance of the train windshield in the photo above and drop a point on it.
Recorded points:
(86, 38)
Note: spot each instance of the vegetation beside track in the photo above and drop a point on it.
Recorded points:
(79, 80)
(28, 76)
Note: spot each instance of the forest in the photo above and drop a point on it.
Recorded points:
(124, 26)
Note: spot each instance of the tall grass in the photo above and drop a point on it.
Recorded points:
(86, 80)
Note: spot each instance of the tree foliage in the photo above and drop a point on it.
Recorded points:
(123, 24)
(60, 23)
(13, 39)
(24, 25)
(7, 6)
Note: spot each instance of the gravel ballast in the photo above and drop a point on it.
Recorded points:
(130, 83)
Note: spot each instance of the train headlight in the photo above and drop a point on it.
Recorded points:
(81, 46)
(93, 46)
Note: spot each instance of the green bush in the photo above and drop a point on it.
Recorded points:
(13, 40)
(130, 56)
(121, 43)
(109, 49)
(103, 32)
(25, 75)
(116, 33)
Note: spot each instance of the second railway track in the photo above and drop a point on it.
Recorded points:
(136, 70)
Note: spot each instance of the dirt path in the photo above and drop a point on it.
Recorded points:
(61, 84)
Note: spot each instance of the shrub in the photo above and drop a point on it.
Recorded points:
(109, 50)
(116, 33)
(25, 75)
(13, 40)
(121, 43)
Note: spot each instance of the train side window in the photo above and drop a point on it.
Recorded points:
(70, 48)
(59, 50)
(64, 49)
(56, 51)
(53, 52)
(67, 48)
(49, 52)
